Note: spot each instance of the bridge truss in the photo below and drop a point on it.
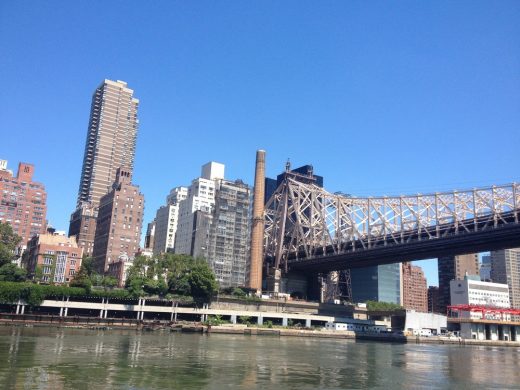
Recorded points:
(303, 221)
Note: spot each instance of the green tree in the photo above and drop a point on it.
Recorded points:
(202, 282)
(135, 285)
(38, 274)
(108, 282)
(382, 306)
(12, 273)
(84, 276)
(8, 243)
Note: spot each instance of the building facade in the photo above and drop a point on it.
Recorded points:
(505, 268)
(83, 226)
(415, 290)
(229, 233)
(23, 202)
(454, 268)
(149, 238)
(485, 268)
(166, 221)
(120, 216)
(214, 223)
(433, 299)
(475, 292)
(200, 197)
(378, 283)
(110, 144)
(57, 256)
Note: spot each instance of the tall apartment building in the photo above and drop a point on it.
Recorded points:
(505, 268)
(23, 202)
(58, 256)
(201, 196)
(415, 289)
(166, 220)
(454, 268)
(229, 233)
(110, 144)
(378, 283)
(214, 224)
(119, 221)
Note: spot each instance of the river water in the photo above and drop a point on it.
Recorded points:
(52, 358)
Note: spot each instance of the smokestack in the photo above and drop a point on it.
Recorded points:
(257, 232)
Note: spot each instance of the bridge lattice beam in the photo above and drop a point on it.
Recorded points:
(303, 220)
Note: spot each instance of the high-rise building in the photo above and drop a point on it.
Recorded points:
(433, 299)
(23, 202)
(166, 221)
(505, 268)
(58, 256)
(415, 291)
(378, 283)
(110, 144)
(118, 229)
(214, 223)
(452, 268)
(201, 196)
(229, 233)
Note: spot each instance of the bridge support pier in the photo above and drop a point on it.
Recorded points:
(234, 319)
(260, 320)
(284, 321)
(308, 323)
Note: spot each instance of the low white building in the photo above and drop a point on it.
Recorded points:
(477, 293)
(424, 324)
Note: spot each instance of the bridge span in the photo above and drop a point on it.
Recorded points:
(310, 229)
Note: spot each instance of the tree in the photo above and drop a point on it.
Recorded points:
(12, 273)
(8, 243)
(108, 282)
(202, 282)
(84, 276)
(382, 306)
(38, 274)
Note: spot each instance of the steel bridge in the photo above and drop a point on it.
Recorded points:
(310, 229)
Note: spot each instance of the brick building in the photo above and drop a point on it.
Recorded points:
(83, 226)
(58, 256)
(23, 202)
(118, 228)
(415, 290)
(110, 144)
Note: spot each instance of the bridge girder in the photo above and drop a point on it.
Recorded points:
(305, 223)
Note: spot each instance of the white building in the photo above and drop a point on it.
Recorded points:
(424, 324)
(166, 221)
(475, 292)
(201, 196)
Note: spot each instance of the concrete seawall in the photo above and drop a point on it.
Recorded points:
(197, 327)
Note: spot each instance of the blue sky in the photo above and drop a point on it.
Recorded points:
(381, 97)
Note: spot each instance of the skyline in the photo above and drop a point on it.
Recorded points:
(309, 82)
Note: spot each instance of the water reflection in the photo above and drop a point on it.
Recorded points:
(79, 358)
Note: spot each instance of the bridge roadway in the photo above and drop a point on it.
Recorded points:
(437, 241)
